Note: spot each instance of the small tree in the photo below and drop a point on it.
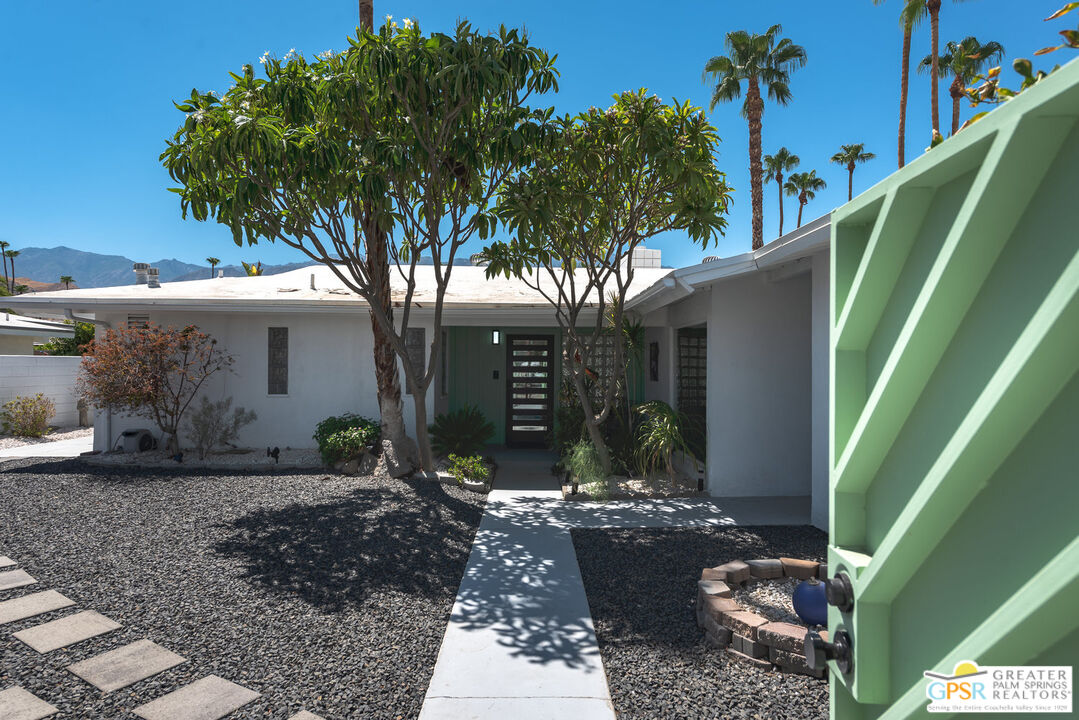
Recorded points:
(77, 345)
(605, 183)
(412, 133)
(152, 372)
(67, 280)
(214, 262)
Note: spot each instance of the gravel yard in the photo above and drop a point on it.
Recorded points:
(641, 587)
(56, 433)
(325, 593)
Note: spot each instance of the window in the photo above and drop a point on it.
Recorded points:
(277, 355)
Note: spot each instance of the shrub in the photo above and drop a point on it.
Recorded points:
(152, 372)
(78, 345)
(461, 432)
(469, 468)
(344, 437)
(659, 437)
(27, 416)
(211, 424)
(583, 462)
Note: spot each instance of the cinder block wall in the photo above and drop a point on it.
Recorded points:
(22, 375)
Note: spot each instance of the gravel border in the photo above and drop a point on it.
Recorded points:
(641, 586)
(55, 435)
(321, 592)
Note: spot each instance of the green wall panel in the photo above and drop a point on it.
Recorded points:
(955, 406)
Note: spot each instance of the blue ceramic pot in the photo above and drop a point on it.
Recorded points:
(810, 603)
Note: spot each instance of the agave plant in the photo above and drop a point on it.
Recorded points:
(659, 437)
(463, 432)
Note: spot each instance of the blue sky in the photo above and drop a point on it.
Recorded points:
(89, 84)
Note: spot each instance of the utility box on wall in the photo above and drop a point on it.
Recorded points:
(954, 426)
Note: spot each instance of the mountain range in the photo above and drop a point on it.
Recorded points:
(90, 269)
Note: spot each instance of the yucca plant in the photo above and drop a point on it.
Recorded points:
(463, 432)
(659, 437)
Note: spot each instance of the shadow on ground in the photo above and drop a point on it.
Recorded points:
(338, 553)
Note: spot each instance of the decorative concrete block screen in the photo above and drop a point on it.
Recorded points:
(955, 407)
(27, 375)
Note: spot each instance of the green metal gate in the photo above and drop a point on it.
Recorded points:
(954, 448)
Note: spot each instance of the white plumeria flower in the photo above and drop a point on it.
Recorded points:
(265, 57)
(389, 18)
(407, 22)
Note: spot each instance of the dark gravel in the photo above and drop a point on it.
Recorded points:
(641, 587)
(325, 593)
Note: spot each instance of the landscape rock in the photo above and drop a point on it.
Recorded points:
(801, 569)
(400, 464)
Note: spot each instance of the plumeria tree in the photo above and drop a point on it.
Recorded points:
(415, 133)
(152, 372)
(603, 184)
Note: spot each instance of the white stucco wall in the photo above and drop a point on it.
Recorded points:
(759, 395)
(331, 371)
(16, 344)
(819, 372)
(27, 375)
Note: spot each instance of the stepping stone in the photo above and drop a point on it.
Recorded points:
(19, 704)
(210, 698)
(15, 578)
(30, 605)
(304, 715)
(126, 665)
(6, 562)
(67, 631)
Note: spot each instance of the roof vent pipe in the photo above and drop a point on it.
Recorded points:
(712, 258)
(152, 278)
(140, 273)
(313, 282)
(221, 273)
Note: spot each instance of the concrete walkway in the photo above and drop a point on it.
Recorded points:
(56, 449)
(520, 643)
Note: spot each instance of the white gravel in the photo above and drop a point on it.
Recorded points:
(772, 599)
(55, 434)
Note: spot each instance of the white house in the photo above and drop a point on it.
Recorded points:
(19, 334)
(740, 343)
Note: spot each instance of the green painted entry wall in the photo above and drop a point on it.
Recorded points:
(473, 360)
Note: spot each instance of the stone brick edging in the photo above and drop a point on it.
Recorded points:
(745, 635)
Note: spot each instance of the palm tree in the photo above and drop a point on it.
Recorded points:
(214, 262)
(3, 257)
(912, 13)
(774, 167)
(849, 156)
(67, 280)
(11, 255)
(933, 8)
(20, 289)
(963, 60)
(804, 186)
(755, 59)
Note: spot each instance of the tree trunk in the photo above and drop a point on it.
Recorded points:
(904, 82)
(12, 290)
(934, 23)
(779, 182)
(850, 181)
(754, 111)
(367, 15)
(391, 413)
(419, 402)
(956, 91)
(3, 259)
(802, 200)
(590, 424)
